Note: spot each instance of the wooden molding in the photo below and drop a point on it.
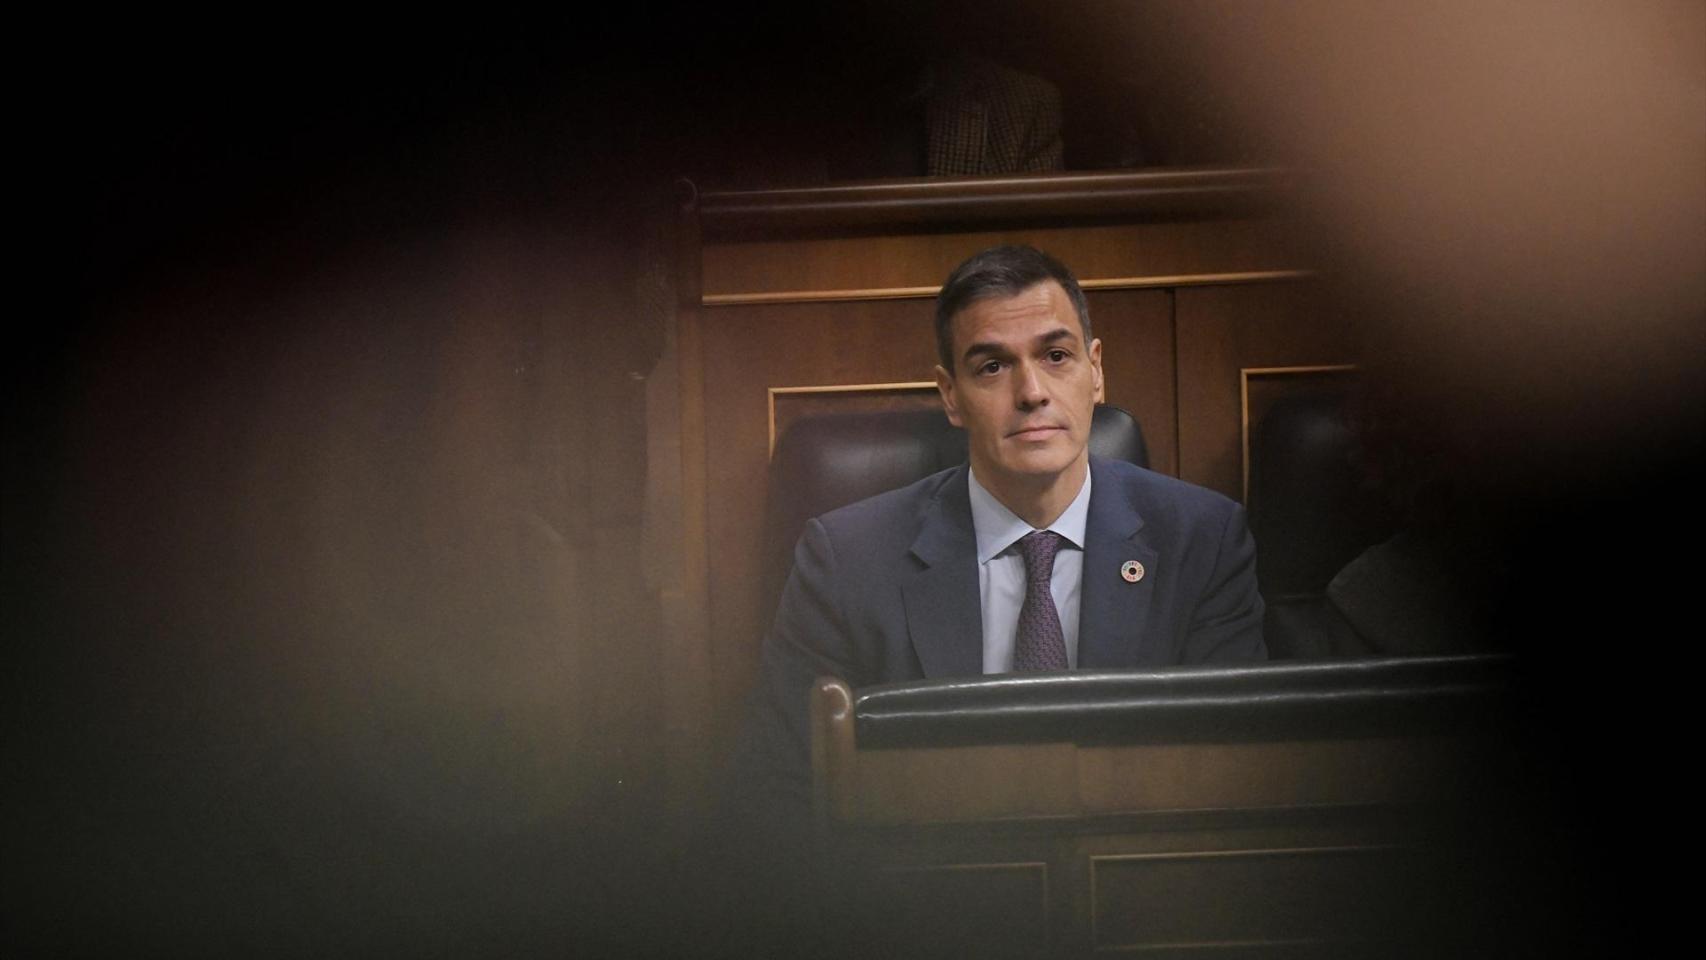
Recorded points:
(921, 293)
(833, 754)
(934, 202)
(1097, 861)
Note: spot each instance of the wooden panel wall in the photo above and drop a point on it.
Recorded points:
(1189, 278)
(1149, 254)
(747, 351)
(1225, 331)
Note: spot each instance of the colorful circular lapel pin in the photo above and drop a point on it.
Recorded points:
(1132, 571)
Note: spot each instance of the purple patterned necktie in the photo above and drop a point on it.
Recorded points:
(1040, 643)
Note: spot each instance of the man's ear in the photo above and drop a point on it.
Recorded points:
(945, 386)
(1096, 370)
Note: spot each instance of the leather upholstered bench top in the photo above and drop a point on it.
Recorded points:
(1269, 701)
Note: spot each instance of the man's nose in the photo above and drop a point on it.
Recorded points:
(1028, 387)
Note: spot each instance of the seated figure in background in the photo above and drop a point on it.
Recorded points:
(1033, 556)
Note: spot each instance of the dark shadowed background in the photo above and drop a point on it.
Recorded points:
(327, 609)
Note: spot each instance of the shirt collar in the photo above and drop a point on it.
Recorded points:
(999, 528)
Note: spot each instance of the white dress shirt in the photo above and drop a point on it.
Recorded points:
(1001, 572)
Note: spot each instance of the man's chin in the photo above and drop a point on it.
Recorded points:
(1039, 467)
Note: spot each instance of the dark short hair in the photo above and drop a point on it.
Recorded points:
(1000, 272)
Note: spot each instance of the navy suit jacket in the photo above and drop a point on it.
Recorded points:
(886, 589)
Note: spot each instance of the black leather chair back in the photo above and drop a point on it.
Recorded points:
(1309, 514)
(828, 461)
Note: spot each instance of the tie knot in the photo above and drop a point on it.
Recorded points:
(1039, 548)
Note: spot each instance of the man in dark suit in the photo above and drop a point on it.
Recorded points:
(1033, 555)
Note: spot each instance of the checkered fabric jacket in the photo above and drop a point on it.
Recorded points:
(984, 118)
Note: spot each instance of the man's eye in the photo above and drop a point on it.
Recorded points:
(1057, 356)
(989, 367)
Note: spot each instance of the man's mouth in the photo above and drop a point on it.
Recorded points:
(1036, 432)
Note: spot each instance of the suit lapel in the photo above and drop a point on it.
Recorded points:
(944, 614)
(1111, 620)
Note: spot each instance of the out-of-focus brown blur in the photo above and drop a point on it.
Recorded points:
(332, 522)
(1514, 197)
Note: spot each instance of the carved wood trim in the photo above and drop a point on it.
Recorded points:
(923, 293)
(936, 202)
(1095, 861)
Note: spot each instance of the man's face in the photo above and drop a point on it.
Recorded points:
(1023, 386)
